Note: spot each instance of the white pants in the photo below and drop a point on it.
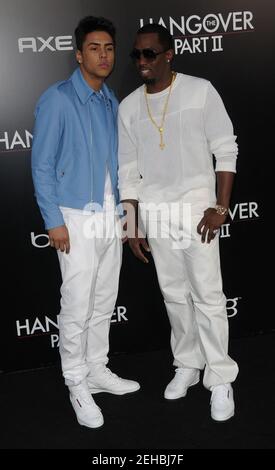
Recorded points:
(191, 284)
(90, 274)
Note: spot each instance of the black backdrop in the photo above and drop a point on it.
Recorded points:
(229, 43)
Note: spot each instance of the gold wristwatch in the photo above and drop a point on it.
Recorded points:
(221, 210)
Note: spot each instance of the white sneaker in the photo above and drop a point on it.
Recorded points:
(184, 378)
(87, 412)
(103, 380)
(222, 402)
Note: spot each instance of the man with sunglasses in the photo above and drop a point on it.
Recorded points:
(169, 130)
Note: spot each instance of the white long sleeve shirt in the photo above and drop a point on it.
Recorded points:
(196, 127)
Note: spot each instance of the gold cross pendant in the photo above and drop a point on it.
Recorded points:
(162, 144)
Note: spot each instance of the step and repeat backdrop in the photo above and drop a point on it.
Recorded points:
(227, 42)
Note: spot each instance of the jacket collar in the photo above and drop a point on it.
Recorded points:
(82, 88)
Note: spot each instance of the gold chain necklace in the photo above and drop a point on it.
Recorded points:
(161, 127)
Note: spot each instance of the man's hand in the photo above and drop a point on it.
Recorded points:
(136, 244)
(59, 238)
(124, 230)
(210, 224)
(131, 231)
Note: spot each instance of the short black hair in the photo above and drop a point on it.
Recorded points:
(165, 38)
(92, 23)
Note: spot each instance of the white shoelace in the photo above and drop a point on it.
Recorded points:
(220, 393)
(111, 375)
(180, 370)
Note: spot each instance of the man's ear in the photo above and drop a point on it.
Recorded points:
(170, 55)
(78, 56)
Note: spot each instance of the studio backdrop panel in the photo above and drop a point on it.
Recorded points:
(228, 43)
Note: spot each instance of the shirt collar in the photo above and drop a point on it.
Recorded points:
(82, 88)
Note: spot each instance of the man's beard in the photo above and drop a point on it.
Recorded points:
(149, 81)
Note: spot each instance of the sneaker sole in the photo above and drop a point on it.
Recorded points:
(185, 393)
(93, 391)
(96, 426)
(221, 420)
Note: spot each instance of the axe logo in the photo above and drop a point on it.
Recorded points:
(39, 44)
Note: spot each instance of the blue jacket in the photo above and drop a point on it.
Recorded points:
(62, 151)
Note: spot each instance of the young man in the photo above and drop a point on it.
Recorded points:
(168, 130)
(74, 167)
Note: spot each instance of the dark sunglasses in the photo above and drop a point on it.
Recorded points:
(148, 54)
